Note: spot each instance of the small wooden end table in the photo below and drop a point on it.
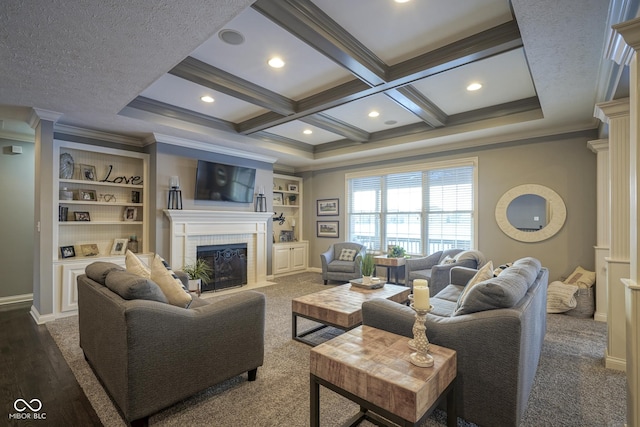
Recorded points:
(372, 368)
(394, 264)
(340, 307)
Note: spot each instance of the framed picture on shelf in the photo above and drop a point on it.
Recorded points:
(87, 195)
(130, 213)
(119, 246)
(88, 172)
(90, 249)
(292, 187)
(328, 228)
(135, 196)
(82, 216)
(327, 207)
(278, 198)
(67, 251)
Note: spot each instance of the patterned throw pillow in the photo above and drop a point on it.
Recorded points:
(447, 260)
(347, 255)
(171, 286)
(581, 278)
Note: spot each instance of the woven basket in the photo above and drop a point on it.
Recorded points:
(585, 297)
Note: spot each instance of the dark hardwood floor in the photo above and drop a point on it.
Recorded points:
(32, 367)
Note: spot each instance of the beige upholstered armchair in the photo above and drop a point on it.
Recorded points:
(342, 262)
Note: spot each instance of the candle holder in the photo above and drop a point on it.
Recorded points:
(420, 342)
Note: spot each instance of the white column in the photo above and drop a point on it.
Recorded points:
(42, 121)
(617, 114)
(603, 228)
(630, 31)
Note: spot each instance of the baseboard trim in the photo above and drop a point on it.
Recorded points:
(14, 299)
(39, 318)
(600, 317)
(315, 269)
(615, 363)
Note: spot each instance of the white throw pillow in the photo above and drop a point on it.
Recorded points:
(347, 254)
(485, 273)
(136, 266)
(561, 297)
(171, 286)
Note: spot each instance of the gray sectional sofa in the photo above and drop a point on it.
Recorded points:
(498, 334)
(149, 354)
(433, 269)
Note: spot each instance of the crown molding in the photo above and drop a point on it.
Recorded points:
(96, 134)
(38, 114)
(205, 146)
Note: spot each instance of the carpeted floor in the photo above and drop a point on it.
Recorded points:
(572, 387)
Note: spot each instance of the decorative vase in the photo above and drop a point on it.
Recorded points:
(366, 280)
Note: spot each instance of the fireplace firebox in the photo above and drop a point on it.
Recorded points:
(228, 263)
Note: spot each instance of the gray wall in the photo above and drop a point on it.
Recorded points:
(566, 166)
(17, 172)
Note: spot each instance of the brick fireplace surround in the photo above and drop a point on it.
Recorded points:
(192, 228)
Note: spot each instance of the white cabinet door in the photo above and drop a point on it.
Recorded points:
(281, 259)
(298, 257)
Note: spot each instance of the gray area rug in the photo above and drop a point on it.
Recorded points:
(572, 387)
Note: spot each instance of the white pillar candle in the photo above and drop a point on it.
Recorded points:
(421, 294)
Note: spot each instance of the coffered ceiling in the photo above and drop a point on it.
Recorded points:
(538, 64)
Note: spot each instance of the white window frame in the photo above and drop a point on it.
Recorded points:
(419, 167)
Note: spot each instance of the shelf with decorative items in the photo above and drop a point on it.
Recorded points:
(101, 197)
(290, 250)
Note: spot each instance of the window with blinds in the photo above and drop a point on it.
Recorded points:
(421, 210)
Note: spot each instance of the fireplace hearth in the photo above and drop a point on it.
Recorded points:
(228, 263)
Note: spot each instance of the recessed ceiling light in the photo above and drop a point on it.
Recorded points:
(231, 37)
(390, 122)
(307, 131)
(206, 98)
(474, 86)
(374, 113)
(276, 62)
(402, 1)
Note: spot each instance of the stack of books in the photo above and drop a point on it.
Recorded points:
(63, 213)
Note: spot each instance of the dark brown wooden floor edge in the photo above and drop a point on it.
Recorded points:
(35, 378)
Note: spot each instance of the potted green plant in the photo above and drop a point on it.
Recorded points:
(367, 267)
(198, 272)
(396, 252)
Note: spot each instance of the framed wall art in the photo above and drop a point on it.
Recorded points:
(67, 251)
(328, 228)
(278, 198)
(119, 246)
(87, 195)
(88, 172)
(327, 207)
(82, 216)
(130, 213)
(90, 249)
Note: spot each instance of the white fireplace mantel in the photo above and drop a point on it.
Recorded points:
(188, 228)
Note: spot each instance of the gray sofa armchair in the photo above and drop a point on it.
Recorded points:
(432, 269)
(335, 269)
(149, 355)
(498, 336)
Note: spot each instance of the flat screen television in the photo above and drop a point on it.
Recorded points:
(217, 181)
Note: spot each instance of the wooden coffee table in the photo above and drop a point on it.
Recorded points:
(372, 368)
(340, 307)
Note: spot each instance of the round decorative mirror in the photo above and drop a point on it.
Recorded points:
(530, 213)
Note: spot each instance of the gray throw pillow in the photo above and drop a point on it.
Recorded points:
(98, 271)
(131, 286)
(503, 291)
